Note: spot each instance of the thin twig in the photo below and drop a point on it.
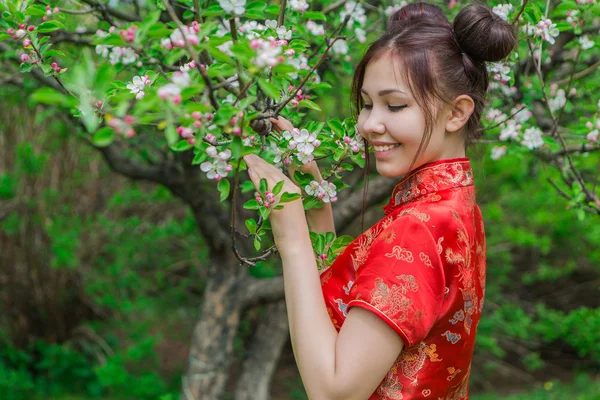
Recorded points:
(520, 12)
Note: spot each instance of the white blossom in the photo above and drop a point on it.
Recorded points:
(500, 71)
(556, 103)
(324, 191)
(592, 136)
(356, 13)
(237, 7)
(271, 23)
(181, 79)
(502, 10)
(510, 130)
(544, 29)
(217, 168)
(315, 29)
(521, 116)
(137, 86)
(361, 35)
(283, 33)
(532, 138)
(267, 53)
(585, 42)
(298, 5)
(340, 47)
(498, 152)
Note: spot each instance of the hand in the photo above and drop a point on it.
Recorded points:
(259, 169)
(281, 124)
(287, 222)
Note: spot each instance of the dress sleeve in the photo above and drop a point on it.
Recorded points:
(402, 280)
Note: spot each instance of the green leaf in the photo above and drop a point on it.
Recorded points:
(171, 135)
(103, 137)
(320, 244)
(181, 145)
(4, 36)
(36, 10)
(53, 52)
(47, 95)
(310, 202)
(303, 178)
(319, 16)
(278, 187)
(199, 158)
(336, 127)
(223, 187)
(50, 26)
(309, 104)
(236, 147)
(257, 243)
(329, 237)
(251, 226)
(269, 89)
(213, 10)
(263, 186)
(26, 67)
(273, 9)
(339, 153)
(284, 69)
(247, 186)
(251, 205)
(110, 40)
(245, 102)
(287, 197)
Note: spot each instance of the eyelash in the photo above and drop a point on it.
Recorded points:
(391, 108)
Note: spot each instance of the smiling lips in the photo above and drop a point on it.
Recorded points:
(385, 147)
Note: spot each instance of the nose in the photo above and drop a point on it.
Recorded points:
(373, 124)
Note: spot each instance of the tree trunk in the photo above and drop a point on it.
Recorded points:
(263, 354)
(211, 351)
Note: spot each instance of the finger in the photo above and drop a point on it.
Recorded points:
(281, 124)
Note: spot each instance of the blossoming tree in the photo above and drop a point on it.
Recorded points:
(177, 92)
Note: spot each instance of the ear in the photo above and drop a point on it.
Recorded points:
(462, 108)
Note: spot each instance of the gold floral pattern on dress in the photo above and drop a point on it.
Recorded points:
(325, 276)
(440, 249)
(392, 301)
(389, 236)
(421, 216)
(466, 270)
(364, 241)
(412, 360)
(453, 372)
(401, 254)
(390, 388)
(460, 390)
(426, 260)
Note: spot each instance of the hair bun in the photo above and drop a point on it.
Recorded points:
(416, 12)
(482, 34)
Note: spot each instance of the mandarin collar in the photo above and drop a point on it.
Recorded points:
(430, 178)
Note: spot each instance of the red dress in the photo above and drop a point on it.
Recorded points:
(421, 269)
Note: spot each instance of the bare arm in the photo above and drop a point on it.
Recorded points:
(320, 220)
(349, 365)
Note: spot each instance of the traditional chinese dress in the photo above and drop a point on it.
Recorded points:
(421, 269)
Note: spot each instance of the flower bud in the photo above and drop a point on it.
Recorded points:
(129, 119)
(130, 133)
(24, 58)
(323, 256)
(56, 10)
(99, 103)
(267, 204)
(191, 141)
(237, 131)
(176, 99)
(31, 28)
(10, 31)
(229, 168)
(197, 124)
(57, 70)
(26, 42)
(54, 65)
(196, 115)
(20, 33)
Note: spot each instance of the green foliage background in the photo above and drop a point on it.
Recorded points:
(135, 259)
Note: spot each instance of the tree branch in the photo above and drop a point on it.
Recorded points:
(262, 290)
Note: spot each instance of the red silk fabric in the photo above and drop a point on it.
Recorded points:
(421, 269)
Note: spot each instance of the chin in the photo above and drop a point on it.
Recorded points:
(389, 171)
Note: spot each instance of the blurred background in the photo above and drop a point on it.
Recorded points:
(103, 277)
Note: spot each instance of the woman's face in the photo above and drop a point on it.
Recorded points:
(394, 124)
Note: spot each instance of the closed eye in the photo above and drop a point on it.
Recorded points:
(396, 108)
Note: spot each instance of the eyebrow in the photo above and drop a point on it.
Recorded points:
(384, 92)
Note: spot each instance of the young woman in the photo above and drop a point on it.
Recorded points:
(395, 316)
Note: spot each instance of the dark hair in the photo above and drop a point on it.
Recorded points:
(441, 60)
